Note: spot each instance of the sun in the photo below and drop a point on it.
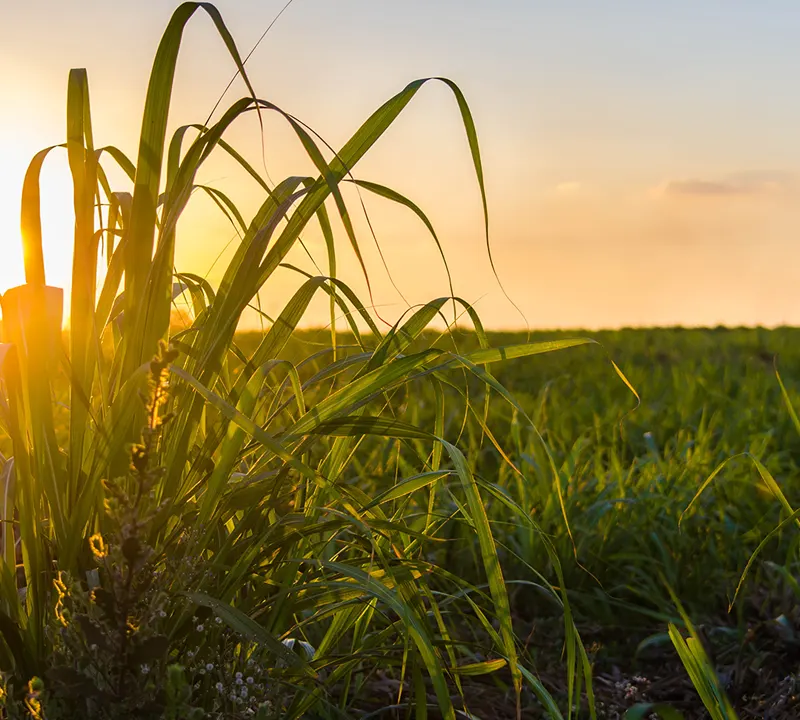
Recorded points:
(56, 212)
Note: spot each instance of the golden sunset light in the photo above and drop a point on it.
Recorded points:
(378, 360)
(574, 168)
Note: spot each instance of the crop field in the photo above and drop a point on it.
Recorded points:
(630, 545)
(629, 537)
(367, 521)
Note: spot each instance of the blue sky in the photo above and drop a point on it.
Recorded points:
(641, 157)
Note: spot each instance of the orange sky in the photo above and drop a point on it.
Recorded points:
(641, 166)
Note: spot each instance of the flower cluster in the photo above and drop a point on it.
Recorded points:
(33, 697)
(111, 633)
(229, 673)
(62, 614)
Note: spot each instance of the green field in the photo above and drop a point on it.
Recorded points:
(368, 521)
(628, 471)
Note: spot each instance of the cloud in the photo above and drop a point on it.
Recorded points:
(701, 187)
(744, 183)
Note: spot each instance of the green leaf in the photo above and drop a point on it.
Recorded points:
(641, 711)
(480, 668)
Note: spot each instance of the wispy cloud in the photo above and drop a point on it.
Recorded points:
(701, 187)
(744, 183)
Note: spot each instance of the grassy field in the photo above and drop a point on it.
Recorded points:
(627, 537)
(385, 523)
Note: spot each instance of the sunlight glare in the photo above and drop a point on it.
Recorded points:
(57, 217)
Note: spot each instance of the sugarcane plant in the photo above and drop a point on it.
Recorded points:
(285, 515)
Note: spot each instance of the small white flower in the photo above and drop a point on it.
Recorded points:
(218, 620)
(239, 681)
(220, 687)
(244, 692)
(238, 676)
(234, 697)
(145, 668)
(190, 654)
(200, 628)
(162, 614)
(250, 680)
(209, 666)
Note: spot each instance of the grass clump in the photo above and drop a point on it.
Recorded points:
(283, 526)
(366, 521)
